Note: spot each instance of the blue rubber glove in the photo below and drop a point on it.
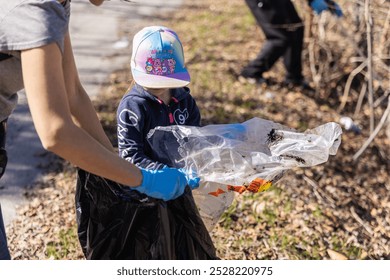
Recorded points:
(236, 131)
(167, 183)
(322, 5)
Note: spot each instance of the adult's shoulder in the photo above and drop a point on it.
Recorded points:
(29, 24)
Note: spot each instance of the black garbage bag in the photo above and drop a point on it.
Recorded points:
(117, 223)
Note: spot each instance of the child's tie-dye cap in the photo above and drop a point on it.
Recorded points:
(157, 60)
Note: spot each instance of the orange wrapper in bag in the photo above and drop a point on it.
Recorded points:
(259, 185)
(239, 189)
(217, 192)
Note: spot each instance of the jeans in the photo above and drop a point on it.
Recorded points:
(3, 152)
(4, 253)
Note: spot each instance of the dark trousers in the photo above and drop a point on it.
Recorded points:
(3, 152)
(4, 253)
(284, 34)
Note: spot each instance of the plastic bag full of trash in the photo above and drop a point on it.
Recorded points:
(248, 156)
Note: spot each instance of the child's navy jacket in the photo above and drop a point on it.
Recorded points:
(140, 111)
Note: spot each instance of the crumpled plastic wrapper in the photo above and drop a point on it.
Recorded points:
(234, 158)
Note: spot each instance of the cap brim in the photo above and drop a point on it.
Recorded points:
(175, 80)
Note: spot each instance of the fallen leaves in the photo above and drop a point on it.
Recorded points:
(335, 255)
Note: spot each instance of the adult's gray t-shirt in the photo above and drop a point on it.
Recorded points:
(26, 24)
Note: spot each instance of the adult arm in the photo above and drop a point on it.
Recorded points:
(43, 76)
(82, 110)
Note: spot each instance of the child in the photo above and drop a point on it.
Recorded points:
(159, 97)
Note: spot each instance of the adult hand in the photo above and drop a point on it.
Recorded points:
(3, 152)
(322, 5)
(167, 183)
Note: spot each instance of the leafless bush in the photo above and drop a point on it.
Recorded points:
(349, 60)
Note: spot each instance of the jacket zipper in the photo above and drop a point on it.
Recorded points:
(170, 115)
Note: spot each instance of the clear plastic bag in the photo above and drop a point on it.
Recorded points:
(250, 156)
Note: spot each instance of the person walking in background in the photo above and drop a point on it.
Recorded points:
(284, 32)
(36, 55)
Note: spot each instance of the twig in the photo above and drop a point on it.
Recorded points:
(316, 78)
(315, 186)
(309, 35)
(351, 76)
(367, 16)
(265, 243)
(379, 100)
(382, 39)
(375, 132)
(360, 221)
(316, 191)
(360, 100)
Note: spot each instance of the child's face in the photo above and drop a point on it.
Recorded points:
(162, 93)
(158, 91)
